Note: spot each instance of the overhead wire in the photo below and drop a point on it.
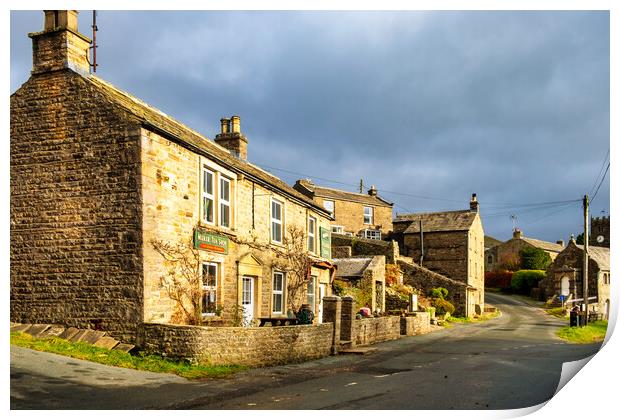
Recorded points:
(424, 197)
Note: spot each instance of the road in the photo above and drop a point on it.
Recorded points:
(513, 361)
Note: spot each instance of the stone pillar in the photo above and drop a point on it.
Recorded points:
(332, 306)
(348, 315)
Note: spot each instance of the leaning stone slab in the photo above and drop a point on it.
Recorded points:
(106, 342)
(35, 330)
(124, 347)
(53, 331)
(69, 333)
(87, 336)
(20, 327)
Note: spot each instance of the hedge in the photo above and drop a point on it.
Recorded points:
(524, 280)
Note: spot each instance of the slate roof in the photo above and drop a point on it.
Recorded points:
(443, 221)
(156, 120)
(547, 246)
(490, 242)
(599, 254)
(351, 267)
(336, 194)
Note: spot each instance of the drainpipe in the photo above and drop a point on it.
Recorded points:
(421, 244)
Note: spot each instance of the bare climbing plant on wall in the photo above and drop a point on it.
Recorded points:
(183, 279)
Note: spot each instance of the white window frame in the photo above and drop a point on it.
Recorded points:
(333, 209)
(372, 234)
(277, 221)
(312, 234)
(206, 195)
(206, 289)
(370, 216)
(224, 203)
(311, 291)
(275, 292)
(337, 229)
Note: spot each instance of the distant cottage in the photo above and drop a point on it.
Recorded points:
(365, 215)
(450, 243)
(506, 255)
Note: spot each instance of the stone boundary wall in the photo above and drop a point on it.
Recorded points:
(415, 324)
(374, 330)
(366, 247)
(425, 280)
(255, 346)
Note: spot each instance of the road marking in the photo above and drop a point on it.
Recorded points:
(352, 383)
(381, 376)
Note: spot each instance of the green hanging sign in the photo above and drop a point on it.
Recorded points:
(210, 242)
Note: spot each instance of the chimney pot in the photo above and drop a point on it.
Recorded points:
(236, 124)
(517, 234)
(560, 242)
(473, 203)
(225, 125)
(61, 19)
(372, 191)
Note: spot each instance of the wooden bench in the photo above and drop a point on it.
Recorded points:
(276, 322)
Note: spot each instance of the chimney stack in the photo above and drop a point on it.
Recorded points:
(60, 45)
(516, 234)
(372, 191)
(560, 242)
(473, 203)
(231, 138)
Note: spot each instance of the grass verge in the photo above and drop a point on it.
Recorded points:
(147, 362)
(468, 320)
(592, 333)
(557, 312)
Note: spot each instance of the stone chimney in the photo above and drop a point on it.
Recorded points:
(516, 234)
(231, 138)
(560, 242)
(60, 45)
(372, 191)
(473, 203)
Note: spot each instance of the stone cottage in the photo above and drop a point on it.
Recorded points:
(98, 177)
(506, 255)
(564, 276)
(364, 215)
(367, 273)
(450, 243)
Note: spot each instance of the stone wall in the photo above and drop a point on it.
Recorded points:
(425, 280)
(365, 247)
(415, 323)
(375, 330)
(256, 346)
(75, 207)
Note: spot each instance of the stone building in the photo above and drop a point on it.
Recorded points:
(366, 273)
(599, 231)
(564, 276)
(450, 243)
(506, 255)
(364, 215)
(490, 252)
(98, 177)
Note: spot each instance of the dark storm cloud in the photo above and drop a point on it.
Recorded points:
(511, 105)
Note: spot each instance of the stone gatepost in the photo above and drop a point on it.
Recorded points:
(332, 313)
(348, 315)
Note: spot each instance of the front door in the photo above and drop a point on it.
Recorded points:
(321, 295)
(247, 300)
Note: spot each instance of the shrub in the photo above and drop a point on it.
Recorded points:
(534, 259)
(501, 279)
(397, 296)
(339, 287)
(439, 292)
(524, 280)
(442, 306)
(392, 274)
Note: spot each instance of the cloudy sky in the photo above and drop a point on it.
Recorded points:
(427, 106)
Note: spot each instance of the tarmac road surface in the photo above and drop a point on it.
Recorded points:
(513, 361)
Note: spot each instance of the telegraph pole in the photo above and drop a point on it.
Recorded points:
(584, 271)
